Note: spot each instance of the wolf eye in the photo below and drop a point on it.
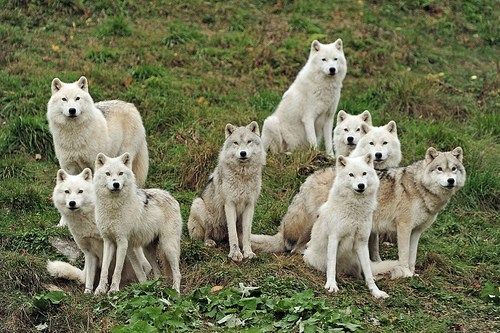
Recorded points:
(249, 141)
(76, 99)
(351, 175)
(371, 143)
(120, 173)
(335, 59)
(324, 59)
(440, 169)
(235, 143)
(346, 130)
(454, 169)
(80, 191)
(357, 130)
(108, 174)
(385, 142)
(65, 99)
(364, 173)
(67, 191)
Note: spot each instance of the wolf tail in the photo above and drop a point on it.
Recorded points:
(140, 165)
(60, 269)
(383, 267)
(267, 243)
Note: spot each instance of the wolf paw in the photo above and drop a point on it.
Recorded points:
(114, 288)
(101, 289)
(331, 287)
(379, 294)
(235, 255)
(400, 272)
(210, 243)
(248, 254)
(87, 291)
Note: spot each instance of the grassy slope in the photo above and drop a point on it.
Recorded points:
(190, 69)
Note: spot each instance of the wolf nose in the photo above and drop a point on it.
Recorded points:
(361, 186)
(332, 70)
(243, 153)
(451, 181)
(378, 156)
(350, 139)
(116, 185)
(72, 203)
(72, 111)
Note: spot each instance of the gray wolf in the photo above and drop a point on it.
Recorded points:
(306, 111)
(339, 237)
(74, 198)
(129, 218)
(226, 206)
(409, 200)
(349, 131)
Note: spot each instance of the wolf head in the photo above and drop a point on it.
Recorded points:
(356, 174)
(243, 146)
(349, 129)
(74, 193)
(383, 143)
(444, 171)
(328, 59)
(114, 174)
(69, 101)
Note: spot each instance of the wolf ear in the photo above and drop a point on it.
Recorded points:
(61, 176)
(315, 45)
(254, 127)
(338, 44)
(369, 159)
(125, 158)
(83, 83)
(391, 127)
(87, 174)
(230, 129)
(341, 116)
(366, 117)
(100, 160)
(431, 154)
(341, 161)
(458, 153)
(365, 128)
(56, 85)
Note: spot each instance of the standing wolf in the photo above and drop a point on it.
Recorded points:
(129, 218)
(82, 129)
(339, 237)
(74, 198)
(306, 111)
(349, 131)
(409, 200)
(226, 206)
(295, 229)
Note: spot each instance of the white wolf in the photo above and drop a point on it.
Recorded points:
(74, 198)
(339, 237)
(295, 229)
(409, 200)
(81, 129)
(226, 206)
(349, 131)
(129, 218)
(306, 111)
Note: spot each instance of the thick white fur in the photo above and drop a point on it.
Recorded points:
(349, 131)
(129, 218)
(306, 111)
(339, 237)
(74, 198)
(226, 207)
(110, 127)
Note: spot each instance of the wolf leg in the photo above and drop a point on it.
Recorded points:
(121, 253)
(328, 132)
(308, 122)
(414, 238)
(331, 264)
(364, 259)
(247, 230)
(90, 270)
(234, 248)
(108, 252)
(373, 246)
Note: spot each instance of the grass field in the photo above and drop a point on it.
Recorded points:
(190, 67)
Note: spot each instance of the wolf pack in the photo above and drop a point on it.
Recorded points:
(129, 233)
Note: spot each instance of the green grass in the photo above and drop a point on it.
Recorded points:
(192, 67)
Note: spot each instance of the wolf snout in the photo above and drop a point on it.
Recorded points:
(350, 140)
(451, 181)
(72, 111)
(243, 154)
(332, 70)
(378, 156)
(72, 203)
(361, 186)
(116, 185)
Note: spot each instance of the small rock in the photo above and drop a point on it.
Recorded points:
(38, 157)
